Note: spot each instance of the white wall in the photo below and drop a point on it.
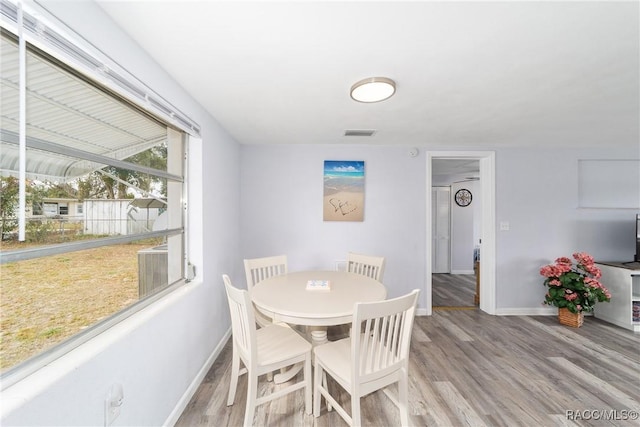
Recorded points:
(282, 190)
(536, 192)
(158, 353)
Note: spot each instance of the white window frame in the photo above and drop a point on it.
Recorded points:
(33, 24)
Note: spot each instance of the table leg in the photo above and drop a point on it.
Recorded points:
(285, 376)
(318, 336)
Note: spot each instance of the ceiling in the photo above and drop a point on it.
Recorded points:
(468, 74)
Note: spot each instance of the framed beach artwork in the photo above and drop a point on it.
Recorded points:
(343, 190)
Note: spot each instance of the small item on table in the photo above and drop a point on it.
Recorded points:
(318, 285)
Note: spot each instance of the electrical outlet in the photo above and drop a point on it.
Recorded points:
(113, 403)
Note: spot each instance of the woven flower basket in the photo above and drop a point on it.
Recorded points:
(568, 318)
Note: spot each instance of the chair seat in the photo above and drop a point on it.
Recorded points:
(336, 357)
(276, 342)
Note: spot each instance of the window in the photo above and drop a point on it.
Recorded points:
(37, 208)
(104, 180)
(50, 209)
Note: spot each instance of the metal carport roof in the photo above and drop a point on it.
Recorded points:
(65, 113)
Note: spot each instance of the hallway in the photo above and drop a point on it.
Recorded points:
(453, 290)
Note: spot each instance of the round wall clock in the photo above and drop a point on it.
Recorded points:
(463, 197)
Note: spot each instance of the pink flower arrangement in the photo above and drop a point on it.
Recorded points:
(575, 287)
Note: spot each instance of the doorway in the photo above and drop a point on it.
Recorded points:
(485, 221)
(455, 233)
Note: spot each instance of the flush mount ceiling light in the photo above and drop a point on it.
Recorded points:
(373, 89)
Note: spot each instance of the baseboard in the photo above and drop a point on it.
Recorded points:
(462, 272)
(526, 311)
(523, 311)
(530, 311)
(193, 387)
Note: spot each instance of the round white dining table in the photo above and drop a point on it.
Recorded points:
(286, 299)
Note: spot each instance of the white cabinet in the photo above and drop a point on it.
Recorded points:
(624, 284)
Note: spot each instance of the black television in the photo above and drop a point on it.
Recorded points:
(637, 257)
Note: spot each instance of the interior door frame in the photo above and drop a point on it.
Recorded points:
(488, 226)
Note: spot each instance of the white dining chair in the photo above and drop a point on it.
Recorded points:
(366, 265)
(258, 269)
(262, 351)
(374, 360)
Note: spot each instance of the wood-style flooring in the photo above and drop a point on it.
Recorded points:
(453, 290)
(468, 368)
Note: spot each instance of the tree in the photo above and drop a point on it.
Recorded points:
(8, 204)
(98, 185)
(154, 157)
(91, 186)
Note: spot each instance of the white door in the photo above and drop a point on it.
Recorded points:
(441, 229)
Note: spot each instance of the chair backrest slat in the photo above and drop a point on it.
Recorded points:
(386, 334)
(243, 324)
(258, 269)
(366, 265)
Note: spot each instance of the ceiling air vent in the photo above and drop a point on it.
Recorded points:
(359, 132)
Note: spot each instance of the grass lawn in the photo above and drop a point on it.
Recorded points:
(46, 300)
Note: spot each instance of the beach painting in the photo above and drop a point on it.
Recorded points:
(343, 190)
